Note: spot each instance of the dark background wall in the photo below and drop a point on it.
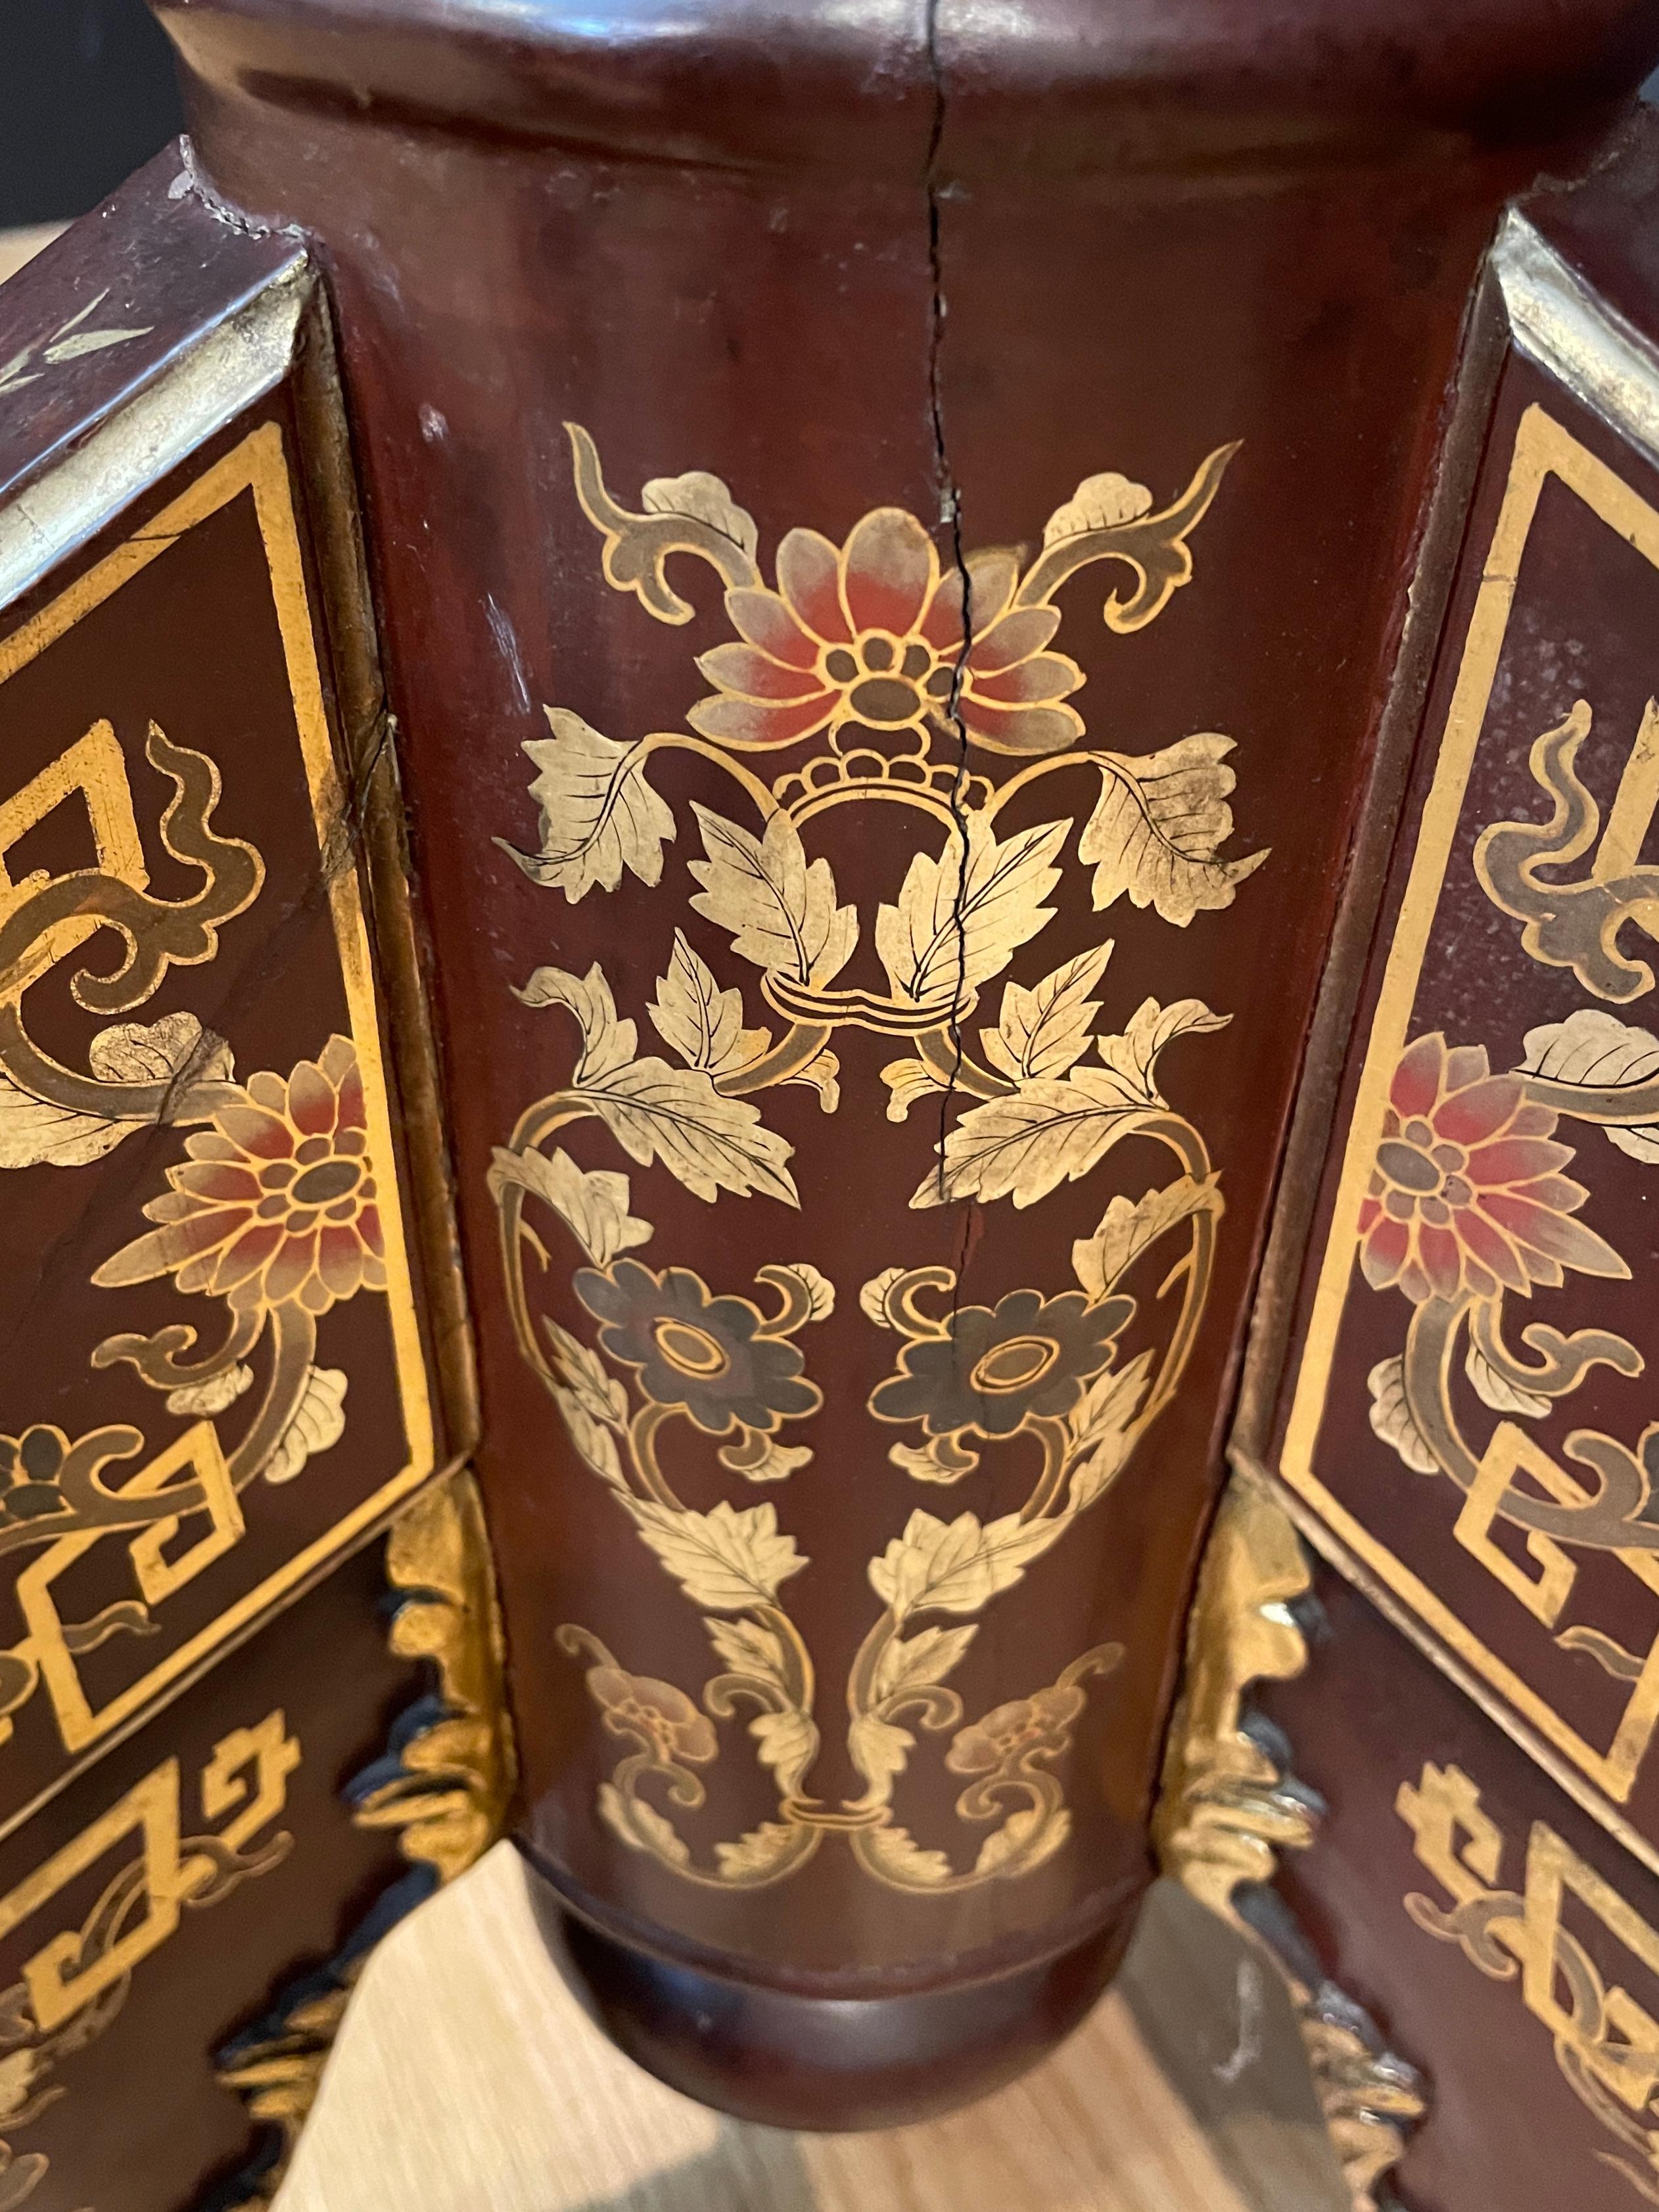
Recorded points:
(87, 93)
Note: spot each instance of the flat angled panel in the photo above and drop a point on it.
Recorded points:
(213, 1364)
(1474, 1410)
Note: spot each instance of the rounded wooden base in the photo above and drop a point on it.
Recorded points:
(791, 2060)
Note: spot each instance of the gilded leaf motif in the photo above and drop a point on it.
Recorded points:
(1100, 502)
(1391, 1416)
(317, 1423)
(1129, 1226)
(1102, 1430)
(938, 1459)
(873, 1295)
(724, 1559)
(701, 1022)
(1025, 1145)
(34, 1132)
(787, 1742)
(899, 1856)
(880, 1751)
(1030, 1836)
(212, 1396)
(961, 917)
(822, 1073)
(780, 912)
(756, 1855)
(599, 814)
(641, 1827)
(593, 1202)
(1042, 1030)
(586, 1377)
(918, 1661)
(1133, 1057)
(712, 1143)
(1598, 1052)
(959, 1565)
(806, 1287)
(762, 1458)
(1157, 826)
(1496, 1390)
(175, 1050)
(908, 1080)
(750, 1650)
(591, 1438)
(702, 498)
(607, 1042)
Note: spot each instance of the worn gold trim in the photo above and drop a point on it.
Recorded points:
(1225, 1810)
(321, 455)
(1608, 364)
(446, 1802)
(235, 363)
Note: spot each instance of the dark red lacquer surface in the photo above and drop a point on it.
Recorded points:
(957, 272)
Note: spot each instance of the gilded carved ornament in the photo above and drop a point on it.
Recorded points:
(1226, 1809)
(443, 1791)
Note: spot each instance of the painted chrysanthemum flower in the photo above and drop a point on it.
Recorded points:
(1032, 1355)
(1467, 1193)
(702, 1353)
(276, 1202)
(872, 633)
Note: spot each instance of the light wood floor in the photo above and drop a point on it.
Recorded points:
(467, 2076)
(470, 2078)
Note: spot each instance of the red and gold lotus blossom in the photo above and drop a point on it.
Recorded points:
(1467, 1193)
(276, 1203)
(873, 633)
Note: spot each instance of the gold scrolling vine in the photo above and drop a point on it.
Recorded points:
(901, 670)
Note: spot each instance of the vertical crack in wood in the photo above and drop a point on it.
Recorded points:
(949, 495)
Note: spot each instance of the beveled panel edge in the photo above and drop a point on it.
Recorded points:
(1487, 340)
(1575, 335)
(155, 432)
(377, 824)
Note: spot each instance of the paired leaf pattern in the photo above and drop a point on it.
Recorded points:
(961, 917)
(781, 911)
(599, 814)
(1053, 1129)
(1158, 827)
(766, 960)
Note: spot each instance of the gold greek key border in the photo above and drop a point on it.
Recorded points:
(1542, 448)
(259, 464)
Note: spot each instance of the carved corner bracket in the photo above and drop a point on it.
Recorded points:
(1228, 1806)
(443, 1785)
